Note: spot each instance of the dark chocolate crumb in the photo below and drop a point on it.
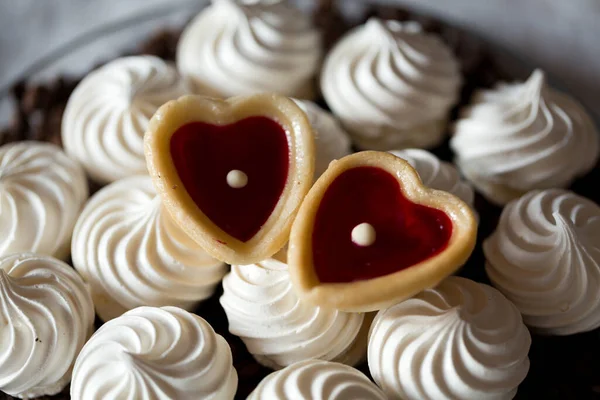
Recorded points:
(163, 44)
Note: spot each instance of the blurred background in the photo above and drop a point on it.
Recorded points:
(44, 38)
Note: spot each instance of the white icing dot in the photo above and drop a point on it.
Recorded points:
(237, 179)
(363, 234)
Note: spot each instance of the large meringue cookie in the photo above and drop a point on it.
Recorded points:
(461, 340)
(317, 380)
(437, 174)
(155, 354)
(132, 253)
(236, 47)
(331, 141)
(46, 316)
(108, 112)
(41, 193)
(545, 257)
(523, 136)
(391, 85)
(278, 329)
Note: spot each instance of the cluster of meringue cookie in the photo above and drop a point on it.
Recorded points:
(390, 87)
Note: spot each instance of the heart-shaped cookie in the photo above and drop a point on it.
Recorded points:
(369, 234)
(233, 172)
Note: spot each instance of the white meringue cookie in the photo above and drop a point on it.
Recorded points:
(278, 329)
(132, 253)
(523, 136)
(237, 48)
(461, 340)
(41, 193)
(46, 316)
(545, 257)
(331, 141)
(153, 354)
(317, 380)
(391, 85)
(108, 112)
(437, 174)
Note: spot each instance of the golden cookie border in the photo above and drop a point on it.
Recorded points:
(381, 292)
(275, 232)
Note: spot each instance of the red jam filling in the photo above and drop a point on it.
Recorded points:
(204, 154)
(406, 233)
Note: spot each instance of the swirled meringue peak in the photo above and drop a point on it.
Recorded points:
(236, 47)
(317, 380)
(41, 193)
(132, 253)
(108, 112)
(545, 257)
(460, 340)
(522, 136)
(331, 141)
(278, 329)
(155, 354)
(391, 85)
(46, 316)
(437, 174)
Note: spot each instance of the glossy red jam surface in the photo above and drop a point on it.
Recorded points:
(406, 233)
(204, 154)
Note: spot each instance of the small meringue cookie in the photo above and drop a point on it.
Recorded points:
(523, 136)
(132, 253)
(545, 257)
(331, 141)
(238, 48)
(278, 329)
(46, 316)
(42, 191)
(391, 84)
(460, 340)
(437, 174)
(107, 114)
(155, 354)
(317, 380)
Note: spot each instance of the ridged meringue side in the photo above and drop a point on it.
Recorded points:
(545, 257)
(238, 48)
(132, 253)
(523, 136)
(107, 114)
(317, 380)
(437, 174)
(42, 191)
(278, 329)
(46, 316)
(155, 353)
(331, 141)
(391, 84)
(461, 340)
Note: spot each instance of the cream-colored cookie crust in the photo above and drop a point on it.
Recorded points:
(273, 235)
(380, 292)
